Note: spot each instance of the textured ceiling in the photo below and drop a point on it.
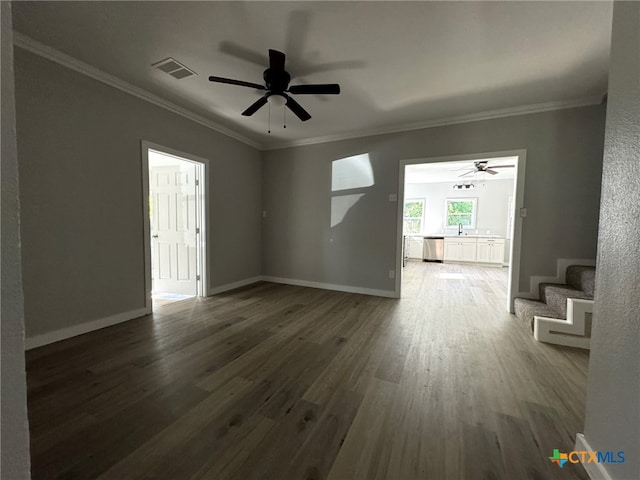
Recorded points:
(400, 64)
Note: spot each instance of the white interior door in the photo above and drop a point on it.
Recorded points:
(173, 228)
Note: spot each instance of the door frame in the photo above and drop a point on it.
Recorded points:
(203, 238)
(518, 205)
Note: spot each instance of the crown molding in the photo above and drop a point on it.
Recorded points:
(27, 43)
(441, 122)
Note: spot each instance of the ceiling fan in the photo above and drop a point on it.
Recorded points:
(482, 166)
(277, 88)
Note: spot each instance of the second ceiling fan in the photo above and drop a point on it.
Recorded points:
(482, 166)
(277, 88)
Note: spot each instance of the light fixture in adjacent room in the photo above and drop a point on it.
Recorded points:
(464, 186)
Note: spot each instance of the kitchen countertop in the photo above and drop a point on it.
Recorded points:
(449, 235)
(473, 236)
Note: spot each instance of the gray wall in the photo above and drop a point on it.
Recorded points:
(14, 428)
(613, 394)
(564, 164)
(81, 189)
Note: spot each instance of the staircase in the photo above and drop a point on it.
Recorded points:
(563, 313)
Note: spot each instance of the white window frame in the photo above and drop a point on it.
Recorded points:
(474, 211)
(413, 200)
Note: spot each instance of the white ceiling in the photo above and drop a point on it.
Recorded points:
(401, 65)
(451, 171)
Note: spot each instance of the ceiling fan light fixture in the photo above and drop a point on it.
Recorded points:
(276, 100)
(276, 80)
(465, 186)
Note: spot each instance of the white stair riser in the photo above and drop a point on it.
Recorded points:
(570, 332)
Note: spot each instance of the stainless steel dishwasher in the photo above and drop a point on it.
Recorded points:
(433, 249)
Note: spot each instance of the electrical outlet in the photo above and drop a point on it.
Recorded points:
(523, 212)
(264, 214)
(392, 274)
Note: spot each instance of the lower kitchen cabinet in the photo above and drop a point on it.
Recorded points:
(478, 250)
(461, 250)
(414, 247)
(490, 250)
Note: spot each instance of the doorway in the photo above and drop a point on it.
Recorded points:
(448, 198)
(175, 225)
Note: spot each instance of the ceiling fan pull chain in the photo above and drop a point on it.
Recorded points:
(269, 115)
(284, 114)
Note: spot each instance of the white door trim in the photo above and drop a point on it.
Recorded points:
(516, 236)
(203, 239)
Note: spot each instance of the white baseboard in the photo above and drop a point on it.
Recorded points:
(231, 286)
(75, 330)
(596, 471)
(527, 295)
(331, 286)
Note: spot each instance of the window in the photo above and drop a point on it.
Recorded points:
(460, 211)
(413, 215)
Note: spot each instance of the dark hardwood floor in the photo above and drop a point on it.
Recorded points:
(283, 382)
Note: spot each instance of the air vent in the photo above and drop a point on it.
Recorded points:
(174, 68)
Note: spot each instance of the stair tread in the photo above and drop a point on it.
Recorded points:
(563, 289)
(582, 277)
(553, 296)
(527, 309)
(540, 307)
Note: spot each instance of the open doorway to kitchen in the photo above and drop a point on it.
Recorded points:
(175, 225)
(457, 221)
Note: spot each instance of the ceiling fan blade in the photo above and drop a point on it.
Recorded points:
(318, 89)
(503, 166)
(295, 107)
(276, 60)
(468, 173)
(462, 168)
(231, 81)
(489, 171)
(255, 107)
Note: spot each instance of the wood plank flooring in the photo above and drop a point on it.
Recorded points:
(284, 382)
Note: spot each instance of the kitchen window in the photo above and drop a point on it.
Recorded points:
(413, 215)
(461, 211)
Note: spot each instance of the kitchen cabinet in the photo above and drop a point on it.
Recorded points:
(490, 250)
(474, 249)
(414, 247)
(460, 249)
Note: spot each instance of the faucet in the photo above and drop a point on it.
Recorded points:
(459, 229)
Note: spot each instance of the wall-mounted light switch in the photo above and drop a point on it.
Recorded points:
(393, 197)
